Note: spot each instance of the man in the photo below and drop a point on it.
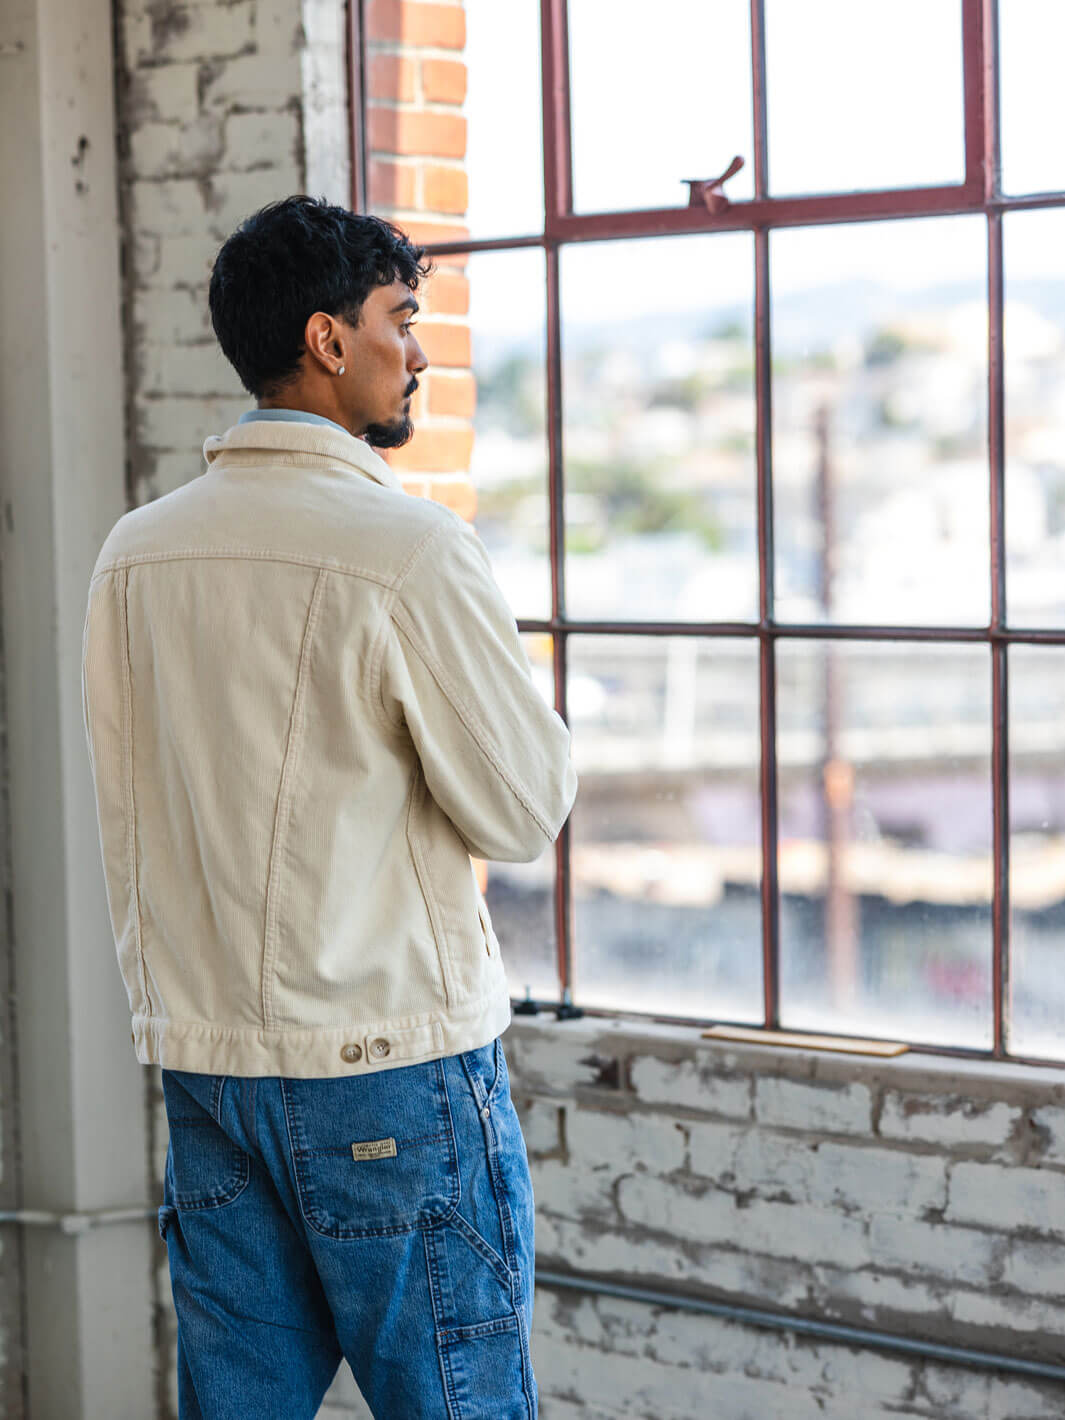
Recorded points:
(306, 705)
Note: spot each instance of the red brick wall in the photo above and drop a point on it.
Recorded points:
(416, 149)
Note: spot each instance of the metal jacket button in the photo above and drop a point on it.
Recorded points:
(351, 1053)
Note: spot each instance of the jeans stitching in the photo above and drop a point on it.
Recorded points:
(515, 1321)
(455, 1335)
(432, 1264)
(474, 1078)
(506, 1219)
(222, 1197)
(469, 1232)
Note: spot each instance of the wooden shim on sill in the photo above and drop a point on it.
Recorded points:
(850, 1045)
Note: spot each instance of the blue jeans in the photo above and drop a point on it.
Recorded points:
(384, 1218)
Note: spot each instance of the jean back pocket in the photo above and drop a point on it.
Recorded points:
(204, 1168)
(373, 1154)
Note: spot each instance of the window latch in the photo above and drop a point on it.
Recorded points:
(709, 192)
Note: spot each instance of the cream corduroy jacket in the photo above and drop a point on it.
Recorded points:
(306, 705)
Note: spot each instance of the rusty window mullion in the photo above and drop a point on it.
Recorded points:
(559, 642)
(557, 136)
(975, 49)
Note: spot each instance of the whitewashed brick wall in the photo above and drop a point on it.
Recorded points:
(222, 108)
(920, 1195)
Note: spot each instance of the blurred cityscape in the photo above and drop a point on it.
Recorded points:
(881, 497)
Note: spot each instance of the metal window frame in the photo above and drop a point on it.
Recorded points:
(979, 193)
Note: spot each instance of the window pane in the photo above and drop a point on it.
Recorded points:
(658, 409)
(509, 463)
(862, 97)
(1034, 345)
(1031, 37)
(880, 468)
(885, 839)
(437, 150)
(655, 102)
(665, 832)
(504, 159)
(1037, 849)
(521, 896)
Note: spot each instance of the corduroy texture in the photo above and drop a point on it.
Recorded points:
(306, 704)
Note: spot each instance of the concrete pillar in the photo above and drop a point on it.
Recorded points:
(80, 1096)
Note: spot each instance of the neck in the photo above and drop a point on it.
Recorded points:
(307, 403)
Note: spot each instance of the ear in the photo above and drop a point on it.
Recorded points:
(324, 341)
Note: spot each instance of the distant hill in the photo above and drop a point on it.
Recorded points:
(802, 321)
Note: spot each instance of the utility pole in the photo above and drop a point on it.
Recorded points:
(837, 774)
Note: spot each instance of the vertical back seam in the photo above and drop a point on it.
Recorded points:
(416, 793)
(283, 801)
(131, 804)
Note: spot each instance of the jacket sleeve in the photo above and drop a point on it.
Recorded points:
(495, 756)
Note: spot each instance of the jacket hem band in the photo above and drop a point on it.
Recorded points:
(316, 1053)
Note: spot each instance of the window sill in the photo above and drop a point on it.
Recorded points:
(623, 1038)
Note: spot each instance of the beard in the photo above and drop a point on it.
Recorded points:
(389, 436)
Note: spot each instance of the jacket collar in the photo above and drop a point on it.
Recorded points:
(293, 440)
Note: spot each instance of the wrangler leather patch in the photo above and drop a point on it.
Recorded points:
(374, 1149)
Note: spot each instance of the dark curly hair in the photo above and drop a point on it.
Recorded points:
(288, 260)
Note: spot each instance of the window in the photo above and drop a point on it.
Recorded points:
(775, 485)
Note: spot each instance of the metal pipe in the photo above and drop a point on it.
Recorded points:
(76, 1222)
(863, 1336)
(758, 101)
(356, 70)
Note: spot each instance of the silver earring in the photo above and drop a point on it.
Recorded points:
(341, 370)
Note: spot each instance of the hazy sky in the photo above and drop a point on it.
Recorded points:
(859, 94)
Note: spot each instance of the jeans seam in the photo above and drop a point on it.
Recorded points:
(479, 1244)
(431, 1244)
(506, 1219)
(475, 1081)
